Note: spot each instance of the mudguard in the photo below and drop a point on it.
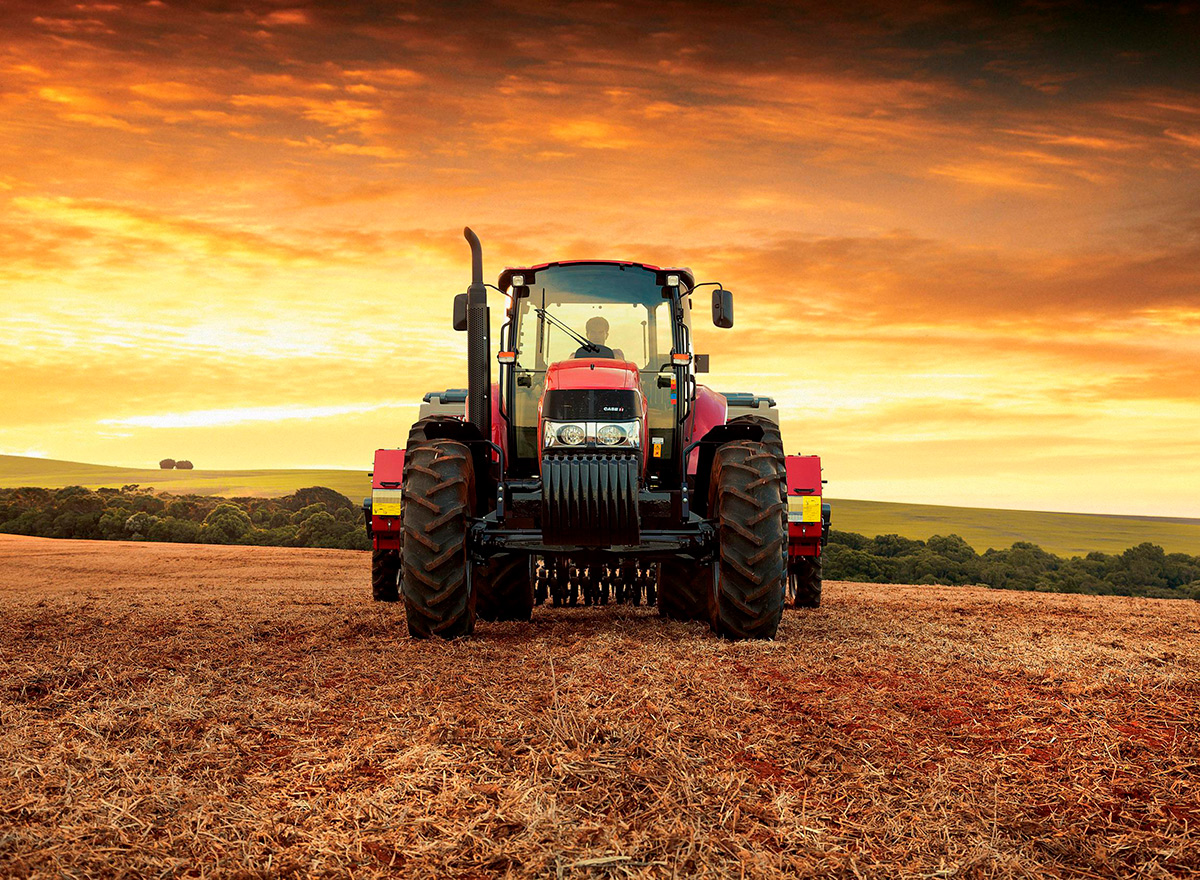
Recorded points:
(481, 456)
(703, 454)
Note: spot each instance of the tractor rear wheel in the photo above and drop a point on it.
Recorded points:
(683, 588)
(385, 575)
(771, 437)
(804, 577)
(746, 500)
(503, 587)
(439, 490)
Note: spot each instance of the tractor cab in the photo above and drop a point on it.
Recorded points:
(594, 357)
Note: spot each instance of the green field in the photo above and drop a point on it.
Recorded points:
(20, 471)
(1066, 534)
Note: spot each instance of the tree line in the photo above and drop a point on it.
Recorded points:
(313, 517)
(1144, 570)
(321, 517)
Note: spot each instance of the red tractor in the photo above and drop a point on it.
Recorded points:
(596, 469)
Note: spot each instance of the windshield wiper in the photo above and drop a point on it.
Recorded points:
(583, 341)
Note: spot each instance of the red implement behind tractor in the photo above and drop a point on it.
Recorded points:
(596, 469)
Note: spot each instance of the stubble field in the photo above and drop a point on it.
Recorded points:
(191, 710)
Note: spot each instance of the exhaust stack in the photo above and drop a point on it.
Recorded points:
(479, 344)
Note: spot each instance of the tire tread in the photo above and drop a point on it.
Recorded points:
(747, 498)
(439, 488)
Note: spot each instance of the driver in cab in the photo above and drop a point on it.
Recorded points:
(596, 330)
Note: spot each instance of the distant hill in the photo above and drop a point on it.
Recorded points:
(1065, 534)
(18, 471)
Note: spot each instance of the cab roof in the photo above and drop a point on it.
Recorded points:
(684, 274)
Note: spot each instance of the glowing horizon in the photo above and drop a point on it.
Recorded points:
(969, 242)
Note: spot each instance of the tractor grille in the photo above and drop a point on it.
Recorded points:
(590, 500)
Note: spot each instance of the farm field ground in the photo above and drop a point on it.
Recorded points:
(1065, 534)
(248, 711)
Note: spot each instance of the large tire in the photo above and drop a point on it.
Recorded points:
(683, 589)
(438, 495)
(385, 575)
(503, 587)
(747, 501)
(417, 438)
(416, 434)
(773, 440)
(771, 437)
(804, 579)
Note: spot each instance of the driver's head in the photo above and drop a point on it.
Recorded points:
(597, 330)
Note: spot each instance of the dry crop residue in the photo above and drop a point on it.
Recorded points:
(248, 711)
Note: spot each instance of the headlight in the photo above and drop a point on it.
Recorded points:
(620, 434)
(563, 434)
(611, 435)
(577, 434)
(571, 435)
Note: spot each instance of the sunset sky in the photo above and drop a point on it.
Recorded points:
(963, 240)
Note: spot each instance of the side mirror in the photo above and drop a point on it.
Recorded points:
(701, 362)
(722, 308)
(460, 312)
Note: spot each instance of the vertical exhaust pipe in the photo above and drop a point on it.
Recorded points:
(479, 344)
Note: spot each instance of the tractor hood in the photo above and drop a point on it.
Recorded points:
(591, 373)
(592, 389)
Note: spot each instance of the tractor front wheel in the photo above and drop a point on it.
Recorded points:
(746, 498)
(439, 490)
(504, 587)
(416, 438)
(683, 589)
(385, 575)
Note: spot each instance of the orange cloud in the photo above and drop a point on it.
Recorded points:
(968, 241)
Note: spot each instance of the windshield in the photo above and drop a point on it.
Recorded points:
(572, 311)
(594, 311)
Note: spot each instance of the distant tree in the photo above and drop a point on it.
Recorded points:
(77, 500)
(848, 539)
(183, 508)
(893, 545)
(305, 512)
(139, 525)
(147, 503)
(226, 524)
(316, 495)
(181, 531)
(952, 547)
(184, 465)
(167, 463)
